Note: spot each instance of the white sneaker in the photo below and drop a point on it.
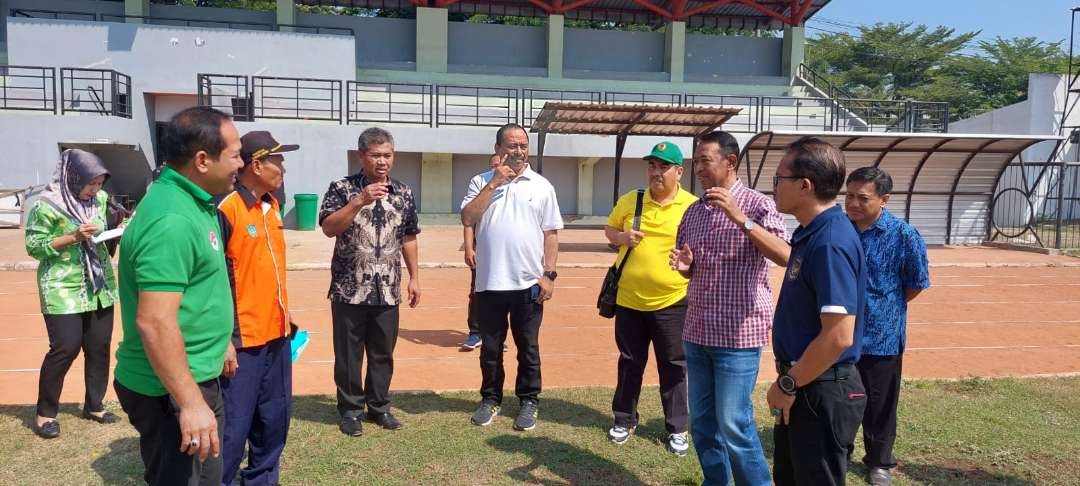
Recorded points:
(678, 444)
(619, 434)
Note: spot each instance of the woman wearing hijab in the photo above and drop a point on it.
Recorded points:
(75, 283)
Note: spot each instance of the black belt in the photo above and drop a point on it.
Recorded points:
(838, 372)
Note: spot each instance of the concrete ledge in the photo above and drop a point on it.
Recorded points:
(1029, 249)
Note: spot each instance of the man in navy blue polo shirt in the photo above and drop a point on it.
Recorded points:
(818, 322)
(897, 271)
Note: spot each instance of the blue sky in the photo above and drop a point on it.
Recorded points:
(1047, 20)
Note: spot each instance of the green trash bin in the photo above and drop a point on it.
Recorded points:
(307, 208)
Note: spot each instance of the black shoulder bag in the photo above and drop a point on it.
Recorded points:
(610, 288)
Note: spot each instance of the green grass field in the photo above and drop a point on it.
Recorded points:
(974, 432)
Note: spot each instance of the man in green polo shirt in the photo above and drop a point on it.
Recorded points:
(176, 306)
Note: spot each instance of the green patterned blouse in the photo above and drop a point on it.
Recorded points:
(62, 283)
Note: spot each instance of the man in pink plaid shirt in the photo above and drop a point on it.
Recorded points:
(723, 246)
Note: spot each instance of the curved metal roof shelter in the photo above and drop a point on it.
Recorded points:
(740, 14)
(943, 184)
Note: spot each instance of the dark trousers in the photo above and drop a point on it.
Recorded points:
(258, 403)
(474, 309)
(360, 329)
(524, 323)
(815, 447)
(881, 377)
(90, 332)
(634, 330)
(157, 421)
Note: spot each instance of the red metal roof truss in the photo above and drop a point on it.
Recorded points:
(789, 12)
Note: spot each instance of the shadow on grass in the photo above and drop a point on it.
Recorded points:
(958, 472)
(121, 464)
(440, 338)
(27, 414)
(572, 464)
(323, 409)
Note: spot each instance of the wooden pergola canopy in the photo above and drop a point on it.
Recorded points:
(623, 120)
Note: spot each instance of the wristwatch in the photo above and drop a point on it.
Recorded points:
(551, 275)
(748, 225)
(787, 384)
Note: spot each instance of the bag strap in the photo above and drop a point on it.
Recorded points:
(638, 206)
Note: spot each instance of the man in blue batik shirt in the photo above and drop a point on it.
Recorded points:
(897, 272)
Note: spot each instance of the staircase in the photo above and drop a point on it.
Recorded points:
(874, 115)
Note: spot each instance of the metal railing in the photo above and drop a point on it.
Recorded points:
(182, 22)
(297, 98)
(179, 21)
(442, 105)
(476, 106)
(389, 103)
(928, 117)
(665, 99)
(33, 13)
(1037, 204)
(533, 101)
(98, 91)
(314, 29)
(822, 83)
(748, 119)
(792, 113)
(227, 92)
(28, 88)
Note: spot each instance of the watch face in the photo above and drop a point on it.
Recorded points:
(786, 383)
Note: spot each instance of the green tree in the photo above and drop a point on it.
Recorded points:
(884, 60)
(904, 61)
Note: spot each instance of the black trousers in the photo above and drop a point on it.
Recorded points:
(815, 447)
(90, 332)
(524, 323)
(881, 377)
(474, 308)
(634, 330)
(359, 330)
(157, 421)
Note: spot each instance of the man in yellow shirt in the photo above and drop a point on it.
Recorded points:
(651, 302)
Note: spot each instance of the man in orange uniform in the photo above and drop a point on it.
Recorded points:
(257, 384)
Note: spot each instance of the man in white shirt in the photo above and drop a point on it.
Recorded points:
(516, 219)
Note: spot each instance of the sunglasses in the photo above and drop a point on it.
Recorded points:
(776, 179)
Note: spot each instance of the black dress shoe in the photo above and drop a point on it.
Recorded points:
(48, 430)
(351, 426)
(878, 476)
(105, 418)
(385, 420)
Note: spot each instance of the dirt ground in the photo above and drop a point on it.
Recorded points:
(990, 312)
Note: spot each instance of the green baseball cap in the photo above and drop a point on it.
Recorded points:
(666, 152)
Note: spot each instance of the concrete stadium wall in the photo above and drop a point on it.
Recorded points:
(33, 142)
(709, 57)
(381, 43)
(489, 48)
(166, 59)
(611, 54)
